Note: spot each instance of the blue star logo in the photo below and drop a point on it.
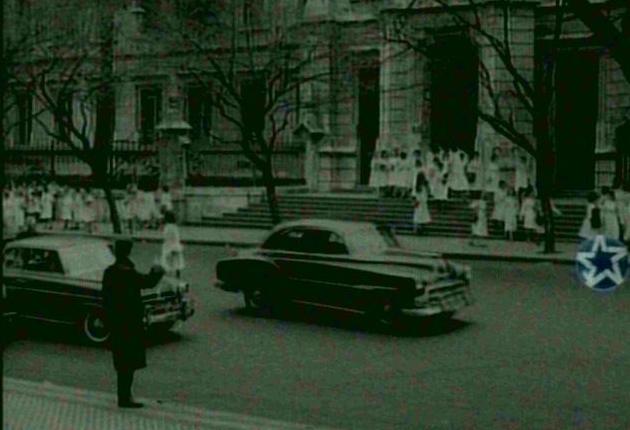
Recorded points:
(602, 263)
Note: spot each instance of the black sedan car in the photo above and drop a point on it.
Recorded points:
(58, 279)
(347, 265)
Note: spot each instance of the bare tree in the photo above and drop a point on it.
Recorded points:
(73, 83)
(497, 106)
(253, 66)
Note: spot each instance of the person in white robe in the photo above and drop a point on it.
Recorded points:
(479, 227)
(172, 258)
(47, 203)
(457, 172)
(65, 208)
(498, 209)
(529, 214)
(492, 174)
(610, 217)
(421, 214)
(89, 212)
(510, 214)
(8, 213)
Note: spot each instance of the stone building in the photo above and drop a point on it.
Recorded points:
(380, 96)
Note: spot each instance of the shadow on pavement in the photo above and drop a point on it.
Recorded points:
(407, 327)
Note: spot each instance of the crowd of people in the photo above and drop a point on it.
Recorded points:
(438, 175)
(31, 207)
(608, 214)
(49, 205)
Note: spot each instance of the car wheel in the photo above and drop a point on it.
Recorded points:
(162, 327)
(256, 300)
(94, 327)
(389, 315)
(443, 317)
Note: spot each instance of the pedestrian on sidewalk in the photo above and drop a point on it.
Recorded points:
(479, 227)
(124, 313)
(529, 215)
(172, 250)
(421, 215)
(510, 214)
(498, 209)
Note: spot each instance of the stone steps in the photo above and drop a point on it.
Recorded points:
(452, 219)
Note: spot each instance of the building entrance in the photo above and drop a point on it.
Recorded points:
(454, 93)
(369, 117)
(576, 109)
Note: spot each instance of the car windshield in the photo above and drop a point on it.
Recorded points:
(87, 258)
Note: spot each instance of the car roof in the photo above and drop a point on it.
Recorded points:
(55, 242)
(339, 226)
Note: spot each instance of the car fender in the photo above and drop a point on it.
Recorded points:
(239, 273)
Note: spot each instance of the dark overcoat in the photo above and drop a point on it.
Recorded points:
(124, 310)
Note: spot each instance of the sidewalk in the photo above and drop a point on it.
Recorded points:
(457, 248)
(42, 405)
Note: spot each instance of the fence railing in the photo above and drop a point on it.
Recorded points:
(133, 160)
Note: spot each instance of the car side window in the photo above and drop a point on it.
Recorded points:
(42, 260)
(324, 242)
(286, 240)
(13, 259)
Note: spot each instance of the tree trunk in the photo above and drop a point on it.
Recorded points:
(113, 210)
(102, 181)
(270, 188)
(550, 229)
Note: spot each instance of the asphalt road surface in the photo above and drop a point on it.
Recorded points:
(537, 350)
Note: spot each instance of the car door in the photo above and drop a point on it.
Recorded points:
(307, 257)
(39, 288)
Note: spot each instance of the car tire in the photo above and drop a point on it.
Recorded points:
(162, 327)
(389, 315)
(94, 328)
(443, 317)
(256, 300)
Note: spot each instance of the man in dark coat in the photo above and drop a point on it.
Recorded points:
(124, 310)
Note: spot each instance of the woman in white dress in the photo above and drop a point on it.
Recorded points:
(47, 203)
(78, 209)
(492, 174)
(172, 250)
(65, 208)
(473, 172)
(440, 183)
(421, 214)
(89, 211)
(8, 213)
(591, 224)
(479, 227)
(20, 210)
(498, 210)
(510, 214)
(457, 171)
(610, 218)
(529, 214)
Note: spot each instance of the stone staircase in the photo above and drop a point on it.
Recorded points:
(452, 219)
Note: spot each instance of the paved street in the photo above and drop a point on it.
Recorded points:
(536, 351)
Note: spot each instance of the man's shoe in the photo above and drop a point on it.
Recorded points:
(130, 404)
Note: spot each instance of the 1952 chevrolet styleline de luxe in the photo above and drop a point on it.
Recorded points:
(58, 279)
(347, 265)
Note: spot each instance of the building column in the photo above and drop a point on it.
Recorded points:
(173, 141)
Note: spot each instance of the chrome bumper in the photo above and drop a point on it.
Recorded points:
(440, 301)
(184, 310)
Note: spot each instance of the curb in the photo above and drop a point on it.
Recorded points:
(155, 411)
